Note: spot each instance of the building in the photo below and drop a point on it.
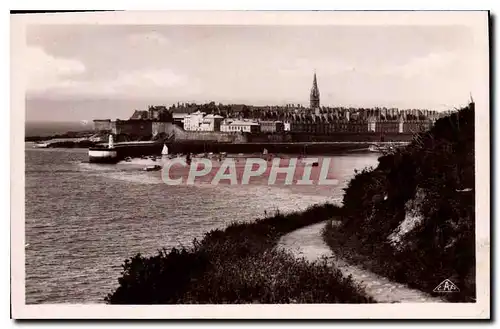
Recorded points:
(272, 126)
(102, 125)
(389, 126)
(372, 124)
(198, 121)
(314, 102)
(178, 118)
(211, 122)
(235, 126)
(193, 121)
(140, 115)
(163, 128)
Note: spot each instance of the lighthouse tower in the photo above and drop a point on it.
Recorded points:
(314, 97)
(111, 143)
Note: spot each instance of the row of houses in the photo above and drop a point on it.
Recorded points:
(158, 120)
(317, 124)
(200, 121)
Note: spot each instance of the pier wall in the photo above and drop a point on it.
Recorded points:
(334, 137)
(210, 136)
(286, 148)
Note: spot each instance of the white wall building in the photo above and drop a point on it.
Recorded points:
(211, 122)
(198, 121)
(179, 118)
(193, 121)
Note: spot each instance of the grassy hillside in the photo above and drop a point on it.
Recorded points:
(237, 265)
(412, 217)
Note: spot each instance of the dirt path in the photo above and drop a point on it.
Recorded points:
(308, 243)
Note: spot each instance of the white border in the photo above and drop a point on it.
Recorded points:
(476, 20)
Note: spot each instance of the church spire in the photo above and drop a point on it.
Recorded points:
(314, 98)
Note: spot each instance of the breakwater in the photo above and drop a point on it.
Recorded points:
(139, 149)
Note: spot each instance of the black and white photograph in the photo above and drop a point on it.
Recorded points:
(289, 164)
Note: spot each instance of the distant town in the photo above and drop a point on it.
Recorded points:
(220, 122)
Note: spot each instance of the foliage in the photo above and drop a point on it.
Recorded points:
(430, 182)
(237, 265)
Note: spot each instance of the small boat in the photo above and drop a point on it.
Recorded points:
(152, 168)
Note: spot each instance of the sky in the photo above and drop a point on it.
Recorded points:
(83, 72)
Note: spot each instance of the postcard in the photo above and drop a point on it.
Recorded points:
(250, 165)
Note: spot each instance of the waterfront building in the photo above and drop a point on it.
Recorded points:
(102, 125)
(415, 126)
(162, 128)
(193, 121)
(134, 128)
(235, 126)
(198, 121)
(271, 126)
(178, 118)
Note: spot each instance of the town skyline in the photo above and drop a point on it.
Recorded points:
(85, 72)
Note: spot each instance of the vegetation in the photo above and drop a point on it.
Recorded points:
(412, 218)
(69, 134)
(237, 265)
